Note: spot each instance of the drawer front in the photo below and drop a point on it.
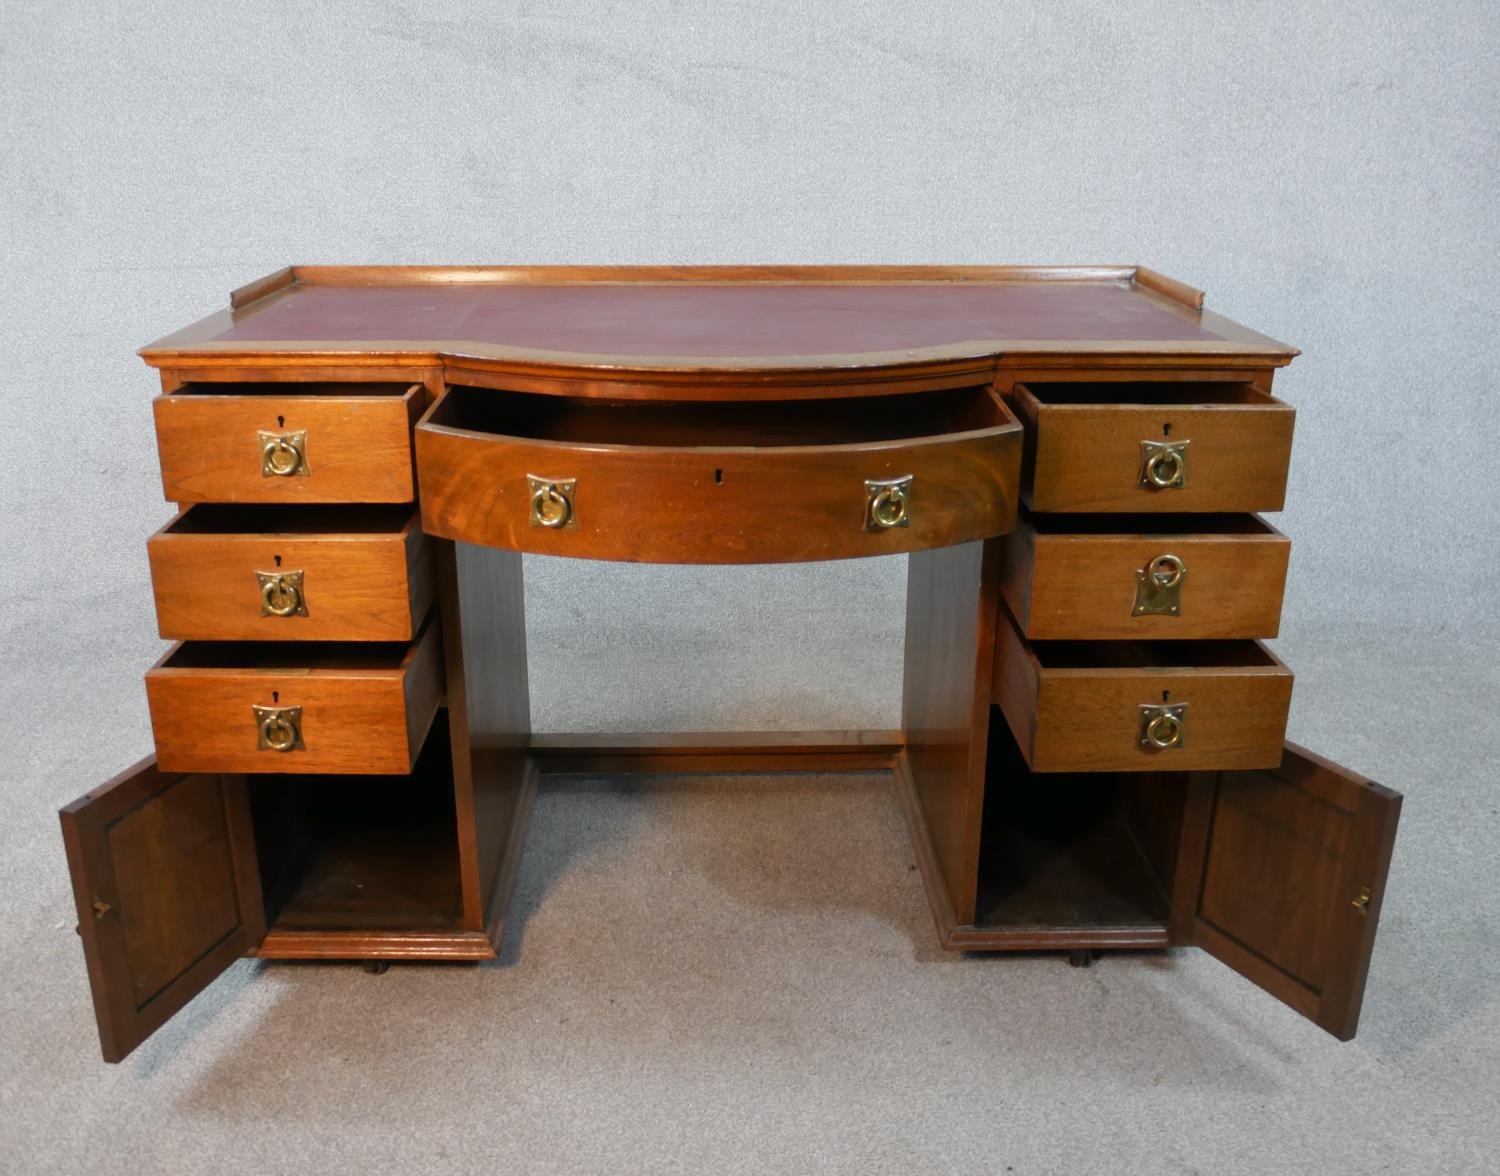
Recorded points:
(1115, 718)
(680, 503)
(302, 719)
(1229, 456)
(1110, 586)
(287, 449)
(291, 587)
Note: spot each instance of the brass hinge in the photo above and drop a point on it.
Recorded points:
(1362, 903)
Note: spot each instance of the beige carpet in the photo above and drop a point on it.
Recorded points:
(740, 975)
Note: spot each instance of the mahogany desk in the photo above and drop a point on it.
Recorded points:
(1091, 752)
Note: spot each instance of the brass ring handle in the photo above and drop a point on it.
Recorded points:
(1164, 468)
(280, 597)
(550, 506)
(1164, 731)
(1166, 570)
(277, 733)
(888, 502)
(278, 728)
(888, 507)
(282, 457)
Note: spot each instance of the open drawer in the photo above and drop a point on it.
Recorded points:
(292, 573)
(229, 706)
(1106, 577)
(1153, 445)
(1120, 706)
(718, 482)
(273, 442)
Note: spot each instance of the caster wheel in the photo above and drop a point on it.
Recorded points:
(377, 967)
(1081, 958)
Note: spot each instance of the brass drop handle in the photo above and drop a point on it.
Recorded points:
(552, 501)
(278, 728)
(887, 503)
(1163, 727)
(283, 455)
(1158, 586)
(1166, 571)
(281, 594)
(1164, 464)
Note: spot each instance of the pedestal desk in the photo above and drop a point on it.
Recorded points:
(1091, 752)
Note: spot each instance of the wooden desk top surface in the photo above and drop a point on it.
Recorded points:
(711, 319)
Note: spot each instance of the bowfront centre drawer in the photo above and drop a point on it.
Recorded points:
(1115, 706)
(1111, 577)
(1127, 445)
(292, 573)
(718, 482)
(287, 443)
(273, 707)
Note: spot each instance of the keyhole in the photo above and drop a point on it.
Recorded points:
(1165, 694)
(718, 477)
(281, 422)
(1166, 429)
(276, 696)
(277, 558)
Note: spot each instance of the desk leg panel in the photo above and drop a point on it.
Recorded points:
(484, 630)
(952, 595)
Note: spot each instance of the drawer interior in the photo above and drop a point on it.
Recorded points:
(1149, 392)
(298, 388)
(288, 655)
(358, 519)
(361, 852)
(1190, 526)
(1075, 850)
(715, 424)
(1169, 655)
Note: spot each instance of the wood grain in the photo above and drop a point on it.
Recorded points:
(365, 708)
(368, 574)
(482, 597)
(1084, 445)
(659, 496)
(1075, 706)
(167, 893)
(358, 446)
(1068, 580)
(1285, 859)
(951, 601)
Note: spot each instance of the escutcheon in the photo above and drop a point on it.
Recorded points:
(278, 728)
(281, 594)
(1164, 464)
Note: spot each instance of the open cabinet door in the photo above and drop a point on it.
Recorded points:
(168, 893)
(1293, 866)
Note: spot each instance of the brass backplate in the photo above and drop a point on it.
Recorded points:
(1163, 726)
(553, 502)
(282, 594)
(888, 503)
(278, 728)
(1158, 587)
(1164, 464)
(283, 455)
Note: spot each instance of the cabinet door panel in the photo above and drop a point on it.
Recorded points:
(168, 893)
(1294, 863)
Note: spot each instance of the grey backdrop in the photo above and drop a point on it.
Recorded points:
(1326, 171)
